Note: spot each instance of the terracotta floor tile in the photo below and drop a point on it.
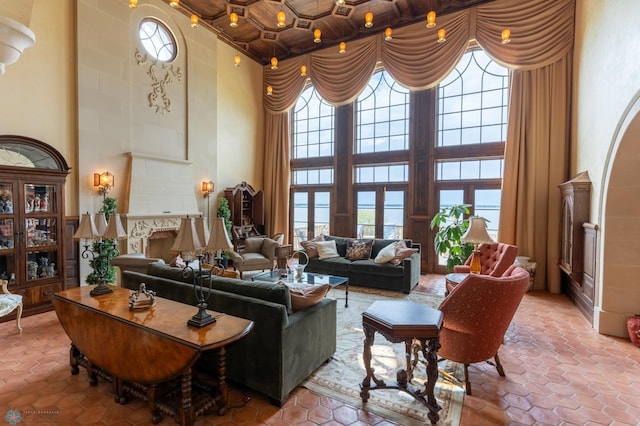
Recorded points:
(552, 378)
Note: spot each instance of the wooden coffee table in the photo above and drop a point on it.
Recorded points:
(148, 351)
(307, 278)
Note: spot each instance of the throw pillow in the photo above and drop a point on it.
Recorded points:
(359, 249)
(307, 297)
(402, 252)
(327, 249)
(386, 254)
(310, 246)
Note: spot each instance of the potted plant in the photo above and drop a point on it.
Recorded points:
(108, 208)
(451, 227)
(225, 213)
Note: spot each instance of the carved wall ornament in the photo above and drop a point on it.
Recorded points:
(161, 75)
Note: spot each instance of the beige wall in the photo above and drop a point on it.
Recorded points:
(606, 88)
(38, 91)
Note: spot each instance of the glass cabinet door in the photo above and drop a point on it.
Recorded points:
(40, 231)
(7, 232)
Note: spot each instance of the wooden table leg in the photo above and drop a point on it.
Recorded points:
(186, 406)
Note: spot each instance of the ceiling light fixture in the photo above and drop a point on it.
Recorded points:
(442, 35)
(316, 35)
(236, 60)
(303, 70)
(388, 34)
(431, 19)
(343, 47)
(194, 21)
(274, 63)
(282, 17)
(233, 19)
(368, 20)
(340, 2)
(506, 36)
(174, 3)
(133, 4)
(269, 90)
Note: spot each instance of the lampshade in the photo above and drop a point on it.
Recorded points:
(388, 34)
(87, 229)
(368, 20)
(233, 19)
(303, 70)
(133, 4)
(442, 35)
(207, 187)
(187, 239)
(274, 63)
(104, 181)
(101, 223)
(236, 60)
(316, 35)
(269, 90)
(342, 47)
(219, 240)
(201, 231)
(115, 230)
(194, 20)
(431, 19)
(506, 36)
(477, 232)
(282, 17)
(174, 3)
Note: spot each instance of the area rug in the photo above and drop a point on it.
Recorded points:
(340, 378)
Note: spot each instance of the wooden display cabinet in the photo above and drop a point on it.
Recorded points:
(247, 212)
(32, 221)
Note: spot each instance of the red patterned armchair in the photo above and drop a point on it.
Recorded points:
(477, 313)
(495, 259)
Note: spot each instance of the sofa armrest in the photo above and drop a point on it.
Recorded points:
(236, 258)
(268, 249)
(462, 269)
(411, 276)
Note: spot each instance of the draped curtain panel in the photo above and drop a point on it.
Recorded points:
(539, 55)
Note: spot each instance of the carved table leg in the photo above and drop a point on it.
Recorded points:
(430, 353)
(222, 381)
(186, 409)
(366, 355)
(74, 360)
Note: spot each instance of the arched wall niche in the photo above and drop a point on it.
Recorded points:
(619, 287)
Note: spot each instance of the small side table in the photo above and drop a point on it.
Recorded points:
(452, 280)
(404, 321)
(283, 253)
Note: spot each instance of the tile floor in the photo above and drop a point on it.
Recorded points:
(559, 371)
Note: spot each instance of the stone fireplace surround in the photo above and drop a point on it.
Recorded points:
(159, 194)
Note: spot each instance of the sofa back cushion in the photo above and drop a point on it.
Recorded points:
(269, 292)
(162, 270)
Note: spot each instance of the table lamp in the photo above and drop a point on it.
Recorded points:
(476, 234)
(188, 244)
(219, 240)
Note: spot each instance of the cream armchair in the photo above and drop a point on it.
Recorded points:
(10, 302)
(259, 254)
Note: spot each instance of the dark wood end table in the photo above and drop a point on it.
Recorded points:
(283, 252)
(412, 323)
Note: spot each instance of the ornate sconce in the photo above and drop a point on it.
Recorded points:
(104, 181)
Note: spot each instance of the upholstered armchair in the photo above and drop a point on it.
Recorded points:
(259, 254)
(477, 313)
(10, 302)
(495, 259)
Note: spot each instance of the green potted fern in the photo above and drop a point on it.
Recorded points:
(451, 226)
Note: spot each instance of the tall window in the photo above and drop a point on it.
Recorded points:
(472, 114)
(312, 165)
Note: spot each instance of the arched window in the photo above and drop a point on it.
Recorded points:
(157, 40)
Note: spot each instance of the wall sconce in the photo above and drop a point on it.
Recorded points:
(236, 60)
(104, 181)
(431, 19)
(194, 21)
(207, 188)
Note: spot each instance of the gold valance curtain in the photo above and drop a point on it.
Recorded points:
(542, 34)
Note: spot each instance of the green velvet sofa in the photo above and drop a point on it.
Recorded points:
(367, 273)
(283, 348)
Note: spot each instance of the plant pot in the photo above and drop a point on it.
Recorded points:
(633, 327)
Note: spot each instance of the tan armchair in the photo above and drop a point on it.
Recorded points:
(10, 302)
(259, 254)
(477, 313)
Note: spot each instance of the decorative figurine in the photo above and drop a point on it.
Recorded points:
(44, 202)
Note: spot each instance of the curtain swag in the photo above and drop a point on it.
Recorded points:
(542, 33)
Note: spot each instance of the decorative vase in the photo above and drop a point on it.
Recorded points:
(633, 327)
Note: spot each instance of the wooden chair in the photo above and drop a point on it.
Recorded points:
(477, 313)
(10, 302)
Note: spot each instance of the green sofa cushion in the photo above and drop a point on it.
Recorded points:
(269, 292)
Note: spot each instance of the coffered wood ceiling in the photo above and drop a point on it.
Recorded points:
(258, 36)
